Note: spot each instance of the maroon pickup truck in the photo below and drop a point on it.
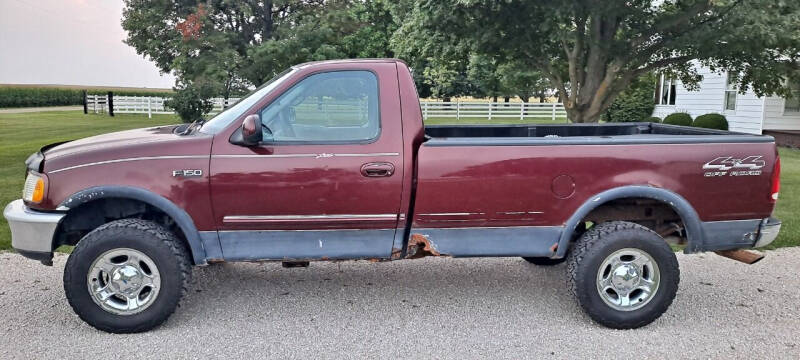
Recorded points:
(331, 161)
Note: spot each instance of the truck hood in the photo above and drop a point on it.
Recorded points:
(147, 142)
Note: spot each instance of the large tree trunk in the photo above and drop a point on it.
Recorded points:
(583, 115)
(587, 102)
(506, 99)
(494, 98)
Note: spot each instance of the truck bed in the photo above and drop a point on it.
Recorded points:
(532, 178)
(566, 134)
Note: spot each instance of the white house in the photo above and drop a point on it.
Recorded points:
(745, 112)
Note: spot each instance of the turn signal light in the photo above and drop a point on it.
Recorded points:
(38, 191)
(34, 188)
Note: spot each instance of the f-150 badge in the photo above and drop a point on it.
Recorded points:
(729, 166)
(187, 173)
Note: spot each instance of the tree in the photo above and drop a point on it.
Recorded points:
(522, 81)
(482, 72)
(590, 51)
(241, 44)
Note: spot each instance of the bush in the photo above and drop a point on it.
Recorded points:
(191, 102)
(654, 119)
(711, 121)
(634, 104)
(682, 119)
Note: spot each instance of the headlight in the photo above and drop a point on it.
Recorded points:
(34, 188)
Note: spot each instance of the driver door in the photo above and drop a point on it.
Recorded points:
(326, 181)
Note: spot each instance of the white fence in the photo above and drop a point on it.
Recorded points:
(430, 109)
(493, 110)
(155, 105)
(97, 103)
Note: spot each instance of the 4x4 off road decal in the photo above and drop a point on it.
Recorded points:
(729, 166)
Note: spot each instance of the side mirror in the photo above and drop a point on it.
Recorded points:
(251, 133)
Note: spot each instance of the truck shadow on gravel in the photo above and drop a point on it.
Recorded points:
(412, 287)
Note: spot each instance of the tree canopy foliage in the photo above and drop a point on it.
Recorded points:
(240, 44)
(243, 43)
(587, 51)
(590, 50)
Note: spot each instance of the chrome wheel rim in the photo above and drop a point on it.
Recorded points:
(628, 279)
(123, 281)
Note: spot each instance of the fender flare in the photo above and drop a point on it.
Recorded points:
(691, 221)
(181, 218)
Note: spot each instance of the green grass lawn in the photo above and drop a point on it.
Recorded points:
(23, 134)
(789, 200)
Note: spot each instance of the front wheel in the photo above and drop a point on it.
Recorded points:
(127, 276)
(624, 275)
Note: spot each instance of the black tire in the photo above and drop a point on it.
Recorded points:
(544, 261)
(600, 242)
(165, 250)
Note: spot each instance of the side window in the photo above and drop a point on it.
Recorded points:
(730, 93)
(339, 106)
(665, 90)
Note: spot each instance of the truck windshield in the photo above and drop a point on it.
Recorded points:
(223, 119)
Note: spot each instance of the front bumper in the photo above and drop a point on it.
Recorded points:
(32, 231)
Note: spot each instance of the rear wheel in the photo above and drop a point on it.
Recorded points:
(127, 276)
(544, 261)
(623, 274)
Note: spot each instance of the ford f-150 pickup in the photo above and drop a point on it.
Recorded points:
(331, 161)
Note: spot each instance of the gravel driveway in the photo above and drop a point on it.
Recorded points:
(428, 308)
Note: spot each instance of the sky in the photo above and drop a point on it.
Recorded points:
(70, 42)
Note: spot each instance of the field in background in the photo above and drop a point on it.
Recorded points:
(16, 96)
(23, 134)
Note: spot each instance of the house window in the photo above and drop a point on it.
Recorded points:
(730, 93)
(792, 105)
(665, 90)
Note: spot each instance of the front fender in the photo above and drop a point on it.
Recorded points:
(181, 218)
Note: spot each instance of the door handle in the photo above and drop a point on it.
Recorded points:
(377, 169)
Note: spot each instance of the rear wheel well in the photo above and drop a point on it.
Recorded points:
(86, 217)
(653, 214)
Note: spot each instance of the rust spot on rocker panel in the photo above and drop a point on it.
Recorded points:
(554, 248)
(420, 246)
